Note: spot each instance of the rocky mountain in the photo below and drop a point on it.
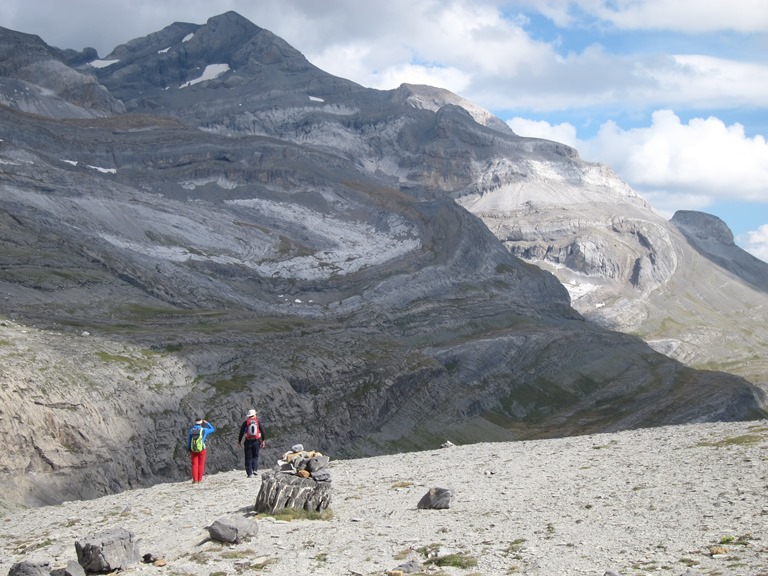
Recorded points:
(682, 285)
(226, 226)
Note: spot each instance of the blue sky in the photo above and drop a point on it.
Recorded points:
(671, 94)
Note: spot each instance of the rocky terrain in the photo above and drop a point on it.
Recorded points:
(676, 500)
(203, 222)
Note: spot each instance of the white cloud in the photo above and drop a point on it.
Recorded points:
(414, 74)
(447, 44)
(564, 133)
(676, 15)
(756, 242)
(710, 81)
(704, 157)
(681, 15)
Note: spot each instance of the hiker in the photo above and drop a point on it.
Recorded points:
(255, 437)
(196, 446)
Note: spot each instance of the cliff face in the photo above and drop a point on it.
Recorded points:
(253, 232)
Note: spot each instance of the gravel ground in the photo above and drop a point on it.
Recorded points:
(674, 500)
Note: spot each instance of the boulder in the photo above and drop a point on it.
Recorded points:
(317, 463)
(106, 552)
(281, 491)
(72, 569)
(232, 529)
(30, 568)
(436, 498)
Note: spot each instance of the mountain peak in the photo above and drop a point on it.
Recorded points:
(18, 50)
(431, 98)
(231, 18)
(712, 238)
(184, 54)
(703, 226)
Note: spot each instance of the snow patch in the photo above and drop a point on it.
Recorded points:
(579, 289)
(99, 168)
(316, 99)
(103, 170)
(220, 181)
(188, 37)
(103, 63)
(211, 71)
(164, 50)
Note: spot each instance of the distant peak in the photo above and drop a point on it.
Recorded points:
(703, 226)
(422, 96)
(231, 18)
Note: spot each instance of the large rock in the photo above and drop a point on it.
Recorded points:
(72, 569)
(232, 529)
(435, 499)
(280, 491)
(30, 568)
(106, 552)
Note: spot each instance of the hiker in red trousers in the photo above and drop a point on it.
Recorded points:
(196, 447)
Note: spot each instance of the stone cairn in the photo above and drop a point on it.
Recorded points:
(300, 481)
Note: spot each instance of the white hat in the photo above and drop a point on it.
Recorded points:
(251, 412)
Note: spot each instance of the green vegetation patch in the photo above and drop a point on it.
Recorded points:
(133, 363)
(457, 560)
(290, 514)
(233, 384)
(741, 440)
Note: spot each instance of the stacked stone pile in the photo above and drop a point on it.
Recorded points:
(305, 464)
(300, 481)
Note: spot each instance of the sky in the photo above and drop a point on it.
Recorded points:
(671, 94)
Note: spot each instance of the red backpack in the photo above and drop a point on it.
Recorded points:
(252, 429)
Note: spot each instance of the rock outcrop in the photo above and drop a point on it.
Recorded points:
(109, 551)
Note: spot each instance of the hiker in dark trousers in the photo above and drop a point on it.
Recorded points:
(255, 437)
(196, 446)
